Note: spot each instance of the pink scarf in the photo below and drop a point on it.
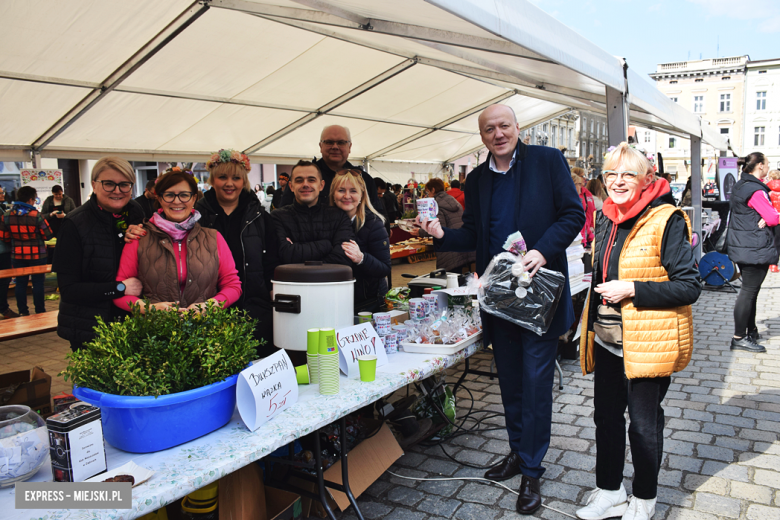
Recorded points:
(176, 230)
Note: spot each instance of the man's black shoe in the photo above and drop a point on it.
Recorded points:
(746, 344)
(530, 498)
(506, 470)
(755, 336)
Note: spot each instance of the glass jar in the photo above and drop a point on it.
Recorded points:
(24, 442)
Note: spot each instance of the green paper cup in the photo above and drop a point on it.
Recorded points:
(364, 317)
(313, 341)
(328, 343)
(312, 360)
(367, 366)
(302, 374)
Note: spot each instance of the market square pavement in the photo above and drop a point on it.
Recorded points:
(721, 448)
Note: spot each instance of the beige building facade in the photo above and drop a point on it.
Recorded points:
(713, 89)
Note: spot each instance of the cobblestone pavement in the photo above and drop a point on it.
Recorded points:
(721, 448)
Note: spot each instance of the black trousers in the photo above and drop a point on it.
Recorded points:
(613, 393)
(745, 307)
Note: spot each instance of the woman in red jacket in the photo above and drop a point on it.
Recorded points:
(589, 207)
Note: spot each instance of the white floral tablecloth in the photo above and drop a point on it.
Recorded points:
(185, 468)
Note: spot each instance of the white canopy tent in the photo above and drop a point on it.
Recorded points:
(177, 79)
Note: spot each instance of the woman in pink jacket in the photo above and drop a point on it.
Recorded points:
(177, 261)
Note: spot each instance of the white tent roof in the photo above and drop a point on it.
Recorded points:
(173, 79)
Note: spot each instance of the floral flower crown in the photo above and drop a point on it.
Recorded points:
(228, 156)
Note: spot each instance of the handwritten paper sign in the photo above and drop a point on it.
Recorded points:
(265, 389)
(356, 341)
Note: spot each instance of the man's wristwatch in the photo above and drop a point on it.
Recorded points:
(120, 288)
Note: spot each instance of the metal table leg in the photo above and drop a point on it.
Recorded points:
(344, 471)
(321, 477)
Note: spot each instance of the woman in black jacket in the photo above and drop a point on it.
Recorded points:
(751, 245)
(233, 210)
(370, 251)
(89, 247)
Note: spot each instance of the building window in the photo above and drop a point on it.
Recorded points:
(598, 128)
(699, 80)
(554, 141)
(725, 78)
(758, 136)
(674, 99)
(544, 128)
(725, 102)
(647, 137)
(761, 100)
(671, 142)
(673, 82)
(724, 131)
(591, 126)
(698, 104)
(571, 138)
(762, 72)
(563, 136)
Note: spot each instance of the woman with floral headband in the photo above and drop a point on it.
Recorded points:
(177, 261)
(234, 210)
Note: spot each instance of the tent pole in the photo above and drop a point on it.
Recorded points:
(617, 117)
(696, 191)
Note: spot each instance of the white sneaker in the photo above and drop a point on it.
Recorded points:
(639, 509)
(604, 504)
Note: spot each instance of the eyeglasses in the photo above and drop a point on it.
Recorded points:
(338, 143)
(183, 196)
(611, 176)
(110, 186)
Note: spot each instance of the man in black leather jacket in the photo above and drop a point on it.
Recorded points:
(308, 229)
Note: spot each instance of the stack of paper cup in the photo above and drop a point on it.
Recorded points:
(312, 354)
(328, 360)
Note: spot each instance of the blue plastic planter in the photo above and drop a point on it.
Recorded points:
(147, 424)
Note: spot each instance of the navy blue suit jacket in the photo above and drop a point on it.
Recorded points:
(548, 212)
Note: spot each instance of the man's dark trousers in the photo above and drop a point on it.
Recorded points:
(526, 367)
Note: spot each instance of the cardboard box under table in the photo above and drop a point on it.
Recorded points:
(29, 388)
(243, 496)
(367, 461)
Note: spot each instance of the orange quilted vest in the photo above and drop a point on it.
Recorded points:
(656, 342)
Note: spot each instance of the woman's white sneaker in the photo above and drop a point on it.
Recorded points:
(604, 504)
(639, 509)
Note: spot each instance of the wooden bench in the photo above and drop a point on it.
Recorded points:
(22, 271)
(13, 328)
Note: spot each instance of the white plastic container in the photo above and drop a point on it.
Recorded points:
(311, 295)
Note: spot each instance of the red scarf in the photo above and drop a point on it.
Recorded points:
(657, 189)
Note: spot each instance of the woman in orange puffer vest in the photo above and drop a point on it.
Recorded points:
(637, 328)
(773, 183)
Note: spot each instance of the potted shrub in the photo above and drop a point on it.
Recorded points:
(165, 377)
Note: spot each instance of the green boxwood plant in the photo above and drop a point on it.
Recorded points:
(164, 351)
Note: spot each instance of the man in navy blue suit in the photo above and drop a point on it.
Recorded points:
(527, 189)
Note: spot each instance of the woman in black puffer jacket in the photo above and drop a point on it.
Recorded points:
(370, 251)
(233, 210)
